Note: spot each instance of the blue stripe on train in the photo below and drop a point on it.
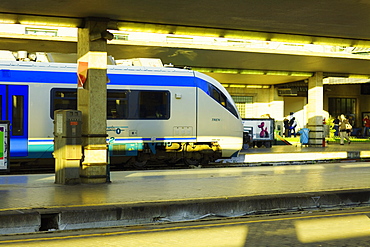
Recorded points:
(116, 79)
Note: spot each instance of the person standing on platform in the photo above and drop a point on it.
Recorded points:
(344, 129)
(366, 122)
(286, 127)
(292, 126)
(291, 115)
(336, 126)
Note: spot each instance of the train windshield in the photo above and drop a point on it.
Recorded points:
(221, 98)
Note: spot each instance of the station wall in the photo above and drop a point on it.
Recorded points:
(266, 102)
(348, 91)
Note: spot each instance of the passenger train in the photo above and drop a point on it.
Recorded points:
(154, 114)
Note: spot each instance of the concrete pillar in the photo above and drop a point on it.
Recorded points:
(276, 104)
(92, 100)
(315, 109)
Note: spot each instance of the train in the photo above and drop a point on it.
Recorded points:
(154, 114)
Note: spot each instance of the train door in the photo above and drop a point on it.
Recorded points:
(2, 101)
(14, 107)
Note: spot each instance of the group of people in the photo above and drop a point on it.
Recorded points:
(343, 127)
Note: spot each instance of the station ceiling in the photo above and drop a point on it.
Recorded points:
(339, 22)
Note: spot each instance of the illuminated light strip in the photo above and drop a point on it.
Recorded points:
(365, 154)
(258, 86)
(40, 20)
(148, 139)
(40, 141)
(248, 158)
(252, 72)
(121, 140)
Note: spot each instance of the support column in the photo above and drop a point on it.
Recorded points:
(315, 109)
(92, 99)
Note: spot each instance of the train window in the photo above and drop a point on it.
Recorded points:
(222, 99)
(231, 108)
(215, 94)
(154, 105)
(63, 99)
(137, 104)
(17, 115)
(218, 96)
(117, 104)
(121, 104)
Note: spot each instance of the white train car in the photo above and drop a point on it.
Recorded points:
(153, 114)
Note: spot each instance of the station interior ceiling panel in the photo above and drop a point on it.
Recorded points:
(344, 22)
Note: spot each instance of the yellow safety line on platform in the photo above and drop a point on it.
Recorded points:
(297, 217)
(302, 156)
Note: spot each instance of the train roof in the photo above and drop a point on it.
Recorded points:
(24, 66)
(111, 69)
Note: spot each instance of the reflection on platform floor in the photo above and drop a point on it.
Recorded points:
(40, 191)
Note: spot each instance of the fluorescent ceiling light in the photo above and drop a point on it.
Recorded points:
(237, 86)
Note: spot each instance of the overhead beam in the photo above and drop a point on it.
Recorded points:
(60, 21)
(209, 59)
(240, 34)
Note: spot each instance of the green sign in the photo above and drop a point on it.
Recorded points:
(4, 145)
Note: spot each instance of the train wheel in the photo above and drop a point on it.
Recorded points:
(137, 163)
(267, 144)
(191, 162)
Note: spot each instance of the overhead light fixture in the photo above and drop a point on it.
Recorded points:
(226, 71)
(7, 21)
(361, 43)
(8, 18)
(202, 70)
(48, 21)
(251, 72)
(197, 31)
(308, 74)
(277, 73)
(247, 35)
(258, 86)
(332, 41)
(289, 38)
(237, 86)
(216, 70)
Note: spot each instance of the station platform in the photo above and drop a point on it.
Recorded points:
(297, 153)
(32, 203)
